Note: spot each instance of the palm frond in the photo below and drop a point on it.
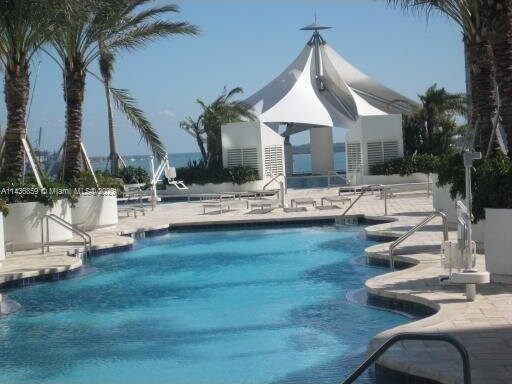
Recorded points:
(127, 104)
(141, 35)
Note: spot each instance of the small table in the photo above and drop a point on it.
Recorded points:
(303, 201)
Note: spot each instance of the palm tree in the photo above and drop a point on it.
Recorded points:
(106, 64)
(118, 24)
(467, 14)
(222, 111)
(438, 108)
(498, 15)
(23, 30)
(195, 129)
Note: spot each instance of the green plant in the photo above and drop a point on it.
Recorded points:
(134, 175)
(491, 181)
(426, 163)
(15, 191)
(241, 174)
(197, 173)
(4, 209)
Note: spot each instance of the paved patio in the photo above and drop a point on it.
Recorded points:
(484, 326)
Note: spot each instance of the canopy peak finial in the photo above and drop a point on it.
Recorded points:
(315, 26)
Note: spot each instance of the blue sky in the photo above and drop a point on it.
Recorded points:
(247, 43)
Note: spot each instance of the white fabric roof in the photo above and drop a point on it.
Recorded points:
(345, 93)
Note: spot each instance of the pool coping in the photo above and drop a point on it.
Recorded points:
(409, 305)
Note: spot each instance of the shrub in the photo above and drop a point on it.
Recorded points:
(4, 209)
(491, 182)
(134, 175)
(425, 163)
(15, 191)
(198, 173)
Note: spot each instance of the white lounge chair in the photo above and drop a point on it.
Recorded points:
(170, 174)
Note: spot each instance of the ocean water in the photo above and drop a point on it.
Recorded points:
(301, 162)
(203, 307)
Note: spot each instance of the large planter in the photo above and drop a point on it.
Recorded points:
(23, 224)
(218, 188)
(95, 211)
(395, 179)
(2, 247)
(498, 244)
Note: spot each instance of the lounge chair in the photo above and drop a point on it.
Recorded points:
(170, 174)
(303, 201)
(335, 199)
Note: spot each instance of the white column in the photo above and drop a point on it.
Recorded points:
(288, 156)
(322, 156)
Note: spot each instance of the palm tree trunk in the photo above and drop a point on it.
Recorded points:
(501, 39)
(16, 90)
(75, 88)
(200, 144)
(483, 91)
(114, 156)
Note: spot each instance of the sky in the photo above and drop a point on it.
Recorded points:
(247, 43)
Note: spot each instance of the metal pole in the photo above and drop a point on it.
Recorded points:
(47, 234)
(385, 201)
(153, 183)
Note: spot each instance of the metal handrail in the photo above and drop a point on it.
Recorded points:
(363, 191)
(466, 367)
(413, 230)
(84, 235)
(275, 179)
(335, 174)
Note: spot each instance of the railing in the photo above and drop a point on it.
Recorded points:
(363, 191)
(335, 175)
(413, 230)
(466, 367)
(87, 241)
(275, 179)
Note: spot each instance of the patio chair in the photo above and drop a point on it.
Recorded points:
(170, 174)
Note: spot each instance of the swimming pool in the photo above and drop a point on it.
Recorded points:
(224, 306)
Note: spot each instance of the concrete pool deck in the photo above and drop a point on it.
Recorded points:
(484, 326)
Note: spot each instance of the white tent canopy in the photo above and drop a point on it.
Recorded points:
(321, 88)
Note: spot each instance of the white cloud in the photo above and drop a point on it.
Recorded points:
(167, 113)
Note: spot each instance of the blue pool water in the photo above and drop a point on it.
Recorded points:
(247, 306)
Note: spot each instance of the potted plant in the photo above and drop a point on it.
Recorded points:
(28, 205)
(96, 205)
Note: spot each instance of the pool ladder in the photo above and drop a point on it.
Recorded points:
(466, 367)
(45, 243)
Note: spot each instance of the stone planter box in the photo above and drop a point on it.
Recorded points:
(218, 188)
(396, 179)
(498, 244)
(23, 224)
(95, 211)
(2, 247)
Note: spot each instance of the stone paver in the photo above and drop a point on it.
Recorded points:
(484, 326)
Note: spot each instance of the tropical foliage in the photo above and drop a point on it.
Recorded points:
(4, 209)
(487, 31)
(430, 127)
(24, 28)
(199, 173)
(117, 25)
(424, 163)
(134, 175)
(221, 111)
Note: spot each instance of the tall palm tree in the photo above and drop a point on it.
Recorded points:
(467, 14)
(106, 64)
(498, 15)
(119, 24)
(196, 130)
(24, 28)
(222, 111)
